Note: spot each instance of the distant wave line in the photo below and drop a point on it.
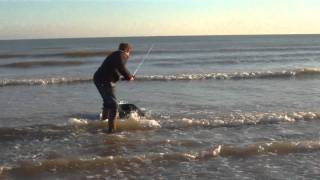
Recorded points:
(74, 54)
(93, 53)
(228, 50)
(224, 61)
(31, 64)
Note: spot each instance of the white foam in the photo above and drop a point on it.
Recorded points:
(222, 150)
(302, 72)
(45, 81)
(239, 118)
(236, 75)
(134, 122)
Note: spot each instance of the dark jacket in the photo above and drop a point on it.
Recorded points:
(112, 67)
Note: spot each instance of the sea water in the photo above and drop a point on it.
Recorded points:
(218, 107)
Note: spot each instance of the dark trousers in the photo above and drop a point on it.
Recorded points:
(106, 90)
(110, 105)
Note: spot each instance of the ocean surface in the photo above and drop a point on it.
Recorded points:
(218, 107)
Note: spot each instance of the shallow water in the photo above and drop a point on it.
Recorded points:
(219, 107)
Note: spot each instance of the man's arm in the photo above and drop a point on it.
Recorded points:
(122, 68)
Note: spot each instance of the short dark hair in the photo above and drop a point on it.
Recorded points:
(124, 46)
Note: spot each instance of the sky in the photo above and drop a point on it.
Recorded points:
(33, 19)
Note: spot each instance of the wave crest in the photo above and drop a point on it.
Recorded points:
(299, 73)
(134, 122)
(277, 147)
(31, 82)
(240, 119)
(286, 74)
(62, 165)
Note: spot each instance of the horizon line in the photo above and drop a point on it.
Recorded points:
(151, 36)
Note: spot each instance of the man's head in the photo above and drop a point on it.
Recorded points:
(126, 47)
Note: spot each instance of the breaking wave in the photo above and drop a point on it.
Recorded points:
(141, 161)
(135, 122)
(75, 124)
(241, 119)
(286, 74)
(298, 73)
(48, 81)
(275, 147)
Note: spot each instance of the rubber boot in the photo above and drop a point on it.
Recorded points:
(105, 114)
(111, 120)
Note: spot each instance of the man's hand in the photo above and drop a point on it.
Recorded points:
(132, 78)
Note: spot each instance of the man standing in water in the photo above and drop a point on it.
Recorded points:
(105, 79)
